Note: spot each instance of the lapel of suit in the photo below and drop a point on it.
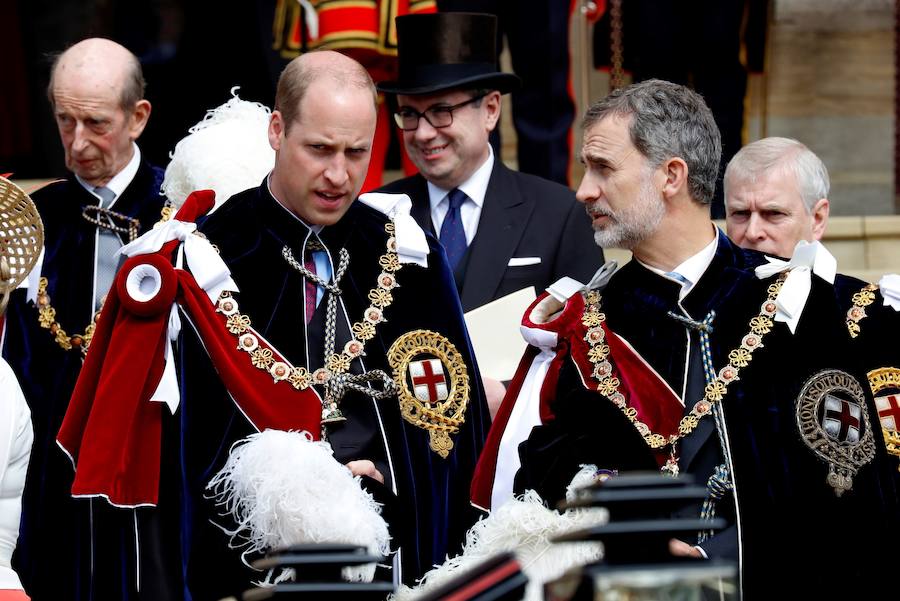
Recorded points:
(504, 215)
(421, 204)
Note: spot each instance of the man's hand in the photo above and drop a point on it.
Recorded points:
(682, 549)
(364, 467)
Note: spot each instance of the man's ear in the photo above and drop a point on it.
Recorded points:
(276, 130)
(139, 116)
(820, 212)
(492, 103)
(675, 171)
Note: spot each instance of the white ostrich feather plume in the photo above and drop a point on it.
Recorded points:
(524, 526)
(283, 488)
(228, 152)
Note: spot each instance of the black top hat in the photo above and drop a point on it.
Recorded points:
(440, 51)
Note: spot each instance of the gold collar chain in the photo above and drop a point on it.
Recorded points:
(608, 385)
(47, 319)
(857, 312)
(336, 364)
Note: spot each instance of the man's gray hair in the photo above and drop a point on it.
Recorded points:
(668, 120)
(759, 159)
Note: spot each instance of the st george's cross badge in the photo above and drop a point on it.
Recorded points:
(832, 421)
(433, 385)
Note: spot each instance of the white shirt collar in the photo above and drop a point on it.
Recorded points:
(691, 269)
(122, 179)
(475, 187)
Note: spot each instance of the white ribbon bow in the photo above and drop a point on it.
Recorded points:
(890, 290)
(808, 258)
(210, 273)
(412, 247)
(207, 267)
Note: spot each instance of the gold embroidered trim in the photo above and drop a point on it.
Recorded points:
(608, 385)
(857, 312)
(299, 377)
(47, 319)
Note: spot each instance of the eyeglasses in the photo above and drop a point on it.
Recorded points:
(407, 118)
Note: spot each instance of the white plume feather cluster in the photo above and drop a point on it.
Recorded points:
(524, 526)
(283, 488)
(228, 152)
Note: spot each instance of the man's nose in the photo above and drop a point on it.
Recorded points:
(80, 138)
(588, 190)
(336, 171)
(755, 227)
(425, 130)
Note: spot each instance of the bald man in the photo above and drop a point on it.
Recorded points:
(351, 329)
(110, 196)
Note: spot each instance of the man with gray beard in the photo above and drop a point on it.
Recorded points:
(701, 358)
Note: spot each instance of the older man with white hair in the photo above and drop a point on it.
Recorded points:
(776, 195)
(110, 197)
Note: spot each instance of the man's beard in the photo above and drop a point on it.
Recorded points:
(635, 223)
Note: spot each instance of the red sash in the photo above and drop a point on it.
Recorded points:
(657, 406)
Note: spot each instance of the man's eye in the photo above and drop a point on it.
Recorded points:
(407, 114)
(440, 110)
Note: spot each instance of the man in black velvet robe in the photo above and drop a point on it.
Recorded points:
(97, 96)
(777, 420)
(322, 136)
(776, 194)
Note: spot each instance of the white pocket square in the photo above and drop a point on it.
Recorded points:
(522, 261)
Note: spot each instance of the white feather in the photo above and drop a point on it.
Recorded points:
(525, 527)
(283, 488)
(228, 152)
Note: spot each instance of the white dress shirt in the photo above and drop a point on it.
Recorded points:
(475, 188)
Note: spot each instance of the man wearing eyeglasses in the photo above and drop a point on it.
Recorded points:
(502, 230)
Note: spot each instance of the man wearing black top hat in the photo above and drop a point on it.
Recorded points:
(502, 230)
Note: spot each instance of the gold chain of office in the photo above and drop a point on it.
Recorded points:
(608, 385)
(263, 358)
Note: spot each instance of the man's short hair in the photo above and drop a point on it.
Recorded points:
(132, 91)
(758, 159)
(296, 78)
(668, 120)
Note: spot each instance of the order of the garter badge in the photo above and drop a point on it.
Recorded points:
(885, 385)
(433, 385)
(831, 416)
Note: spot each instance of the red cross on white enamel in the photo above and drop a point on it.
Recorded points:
(888, 410)
(842, 412)
(428, 380)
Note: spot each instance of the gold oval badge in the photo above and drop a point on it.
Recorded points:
(885, 385)
(433, 385)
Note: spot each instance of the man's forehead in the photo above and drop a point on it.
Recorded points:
(608, 138)
(776, 188)
(88, 85)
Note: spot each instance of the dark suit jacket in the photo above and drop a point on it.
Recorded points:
(522, 216)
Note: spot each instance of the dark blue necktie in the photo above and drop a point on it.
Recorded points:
(453, 236)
